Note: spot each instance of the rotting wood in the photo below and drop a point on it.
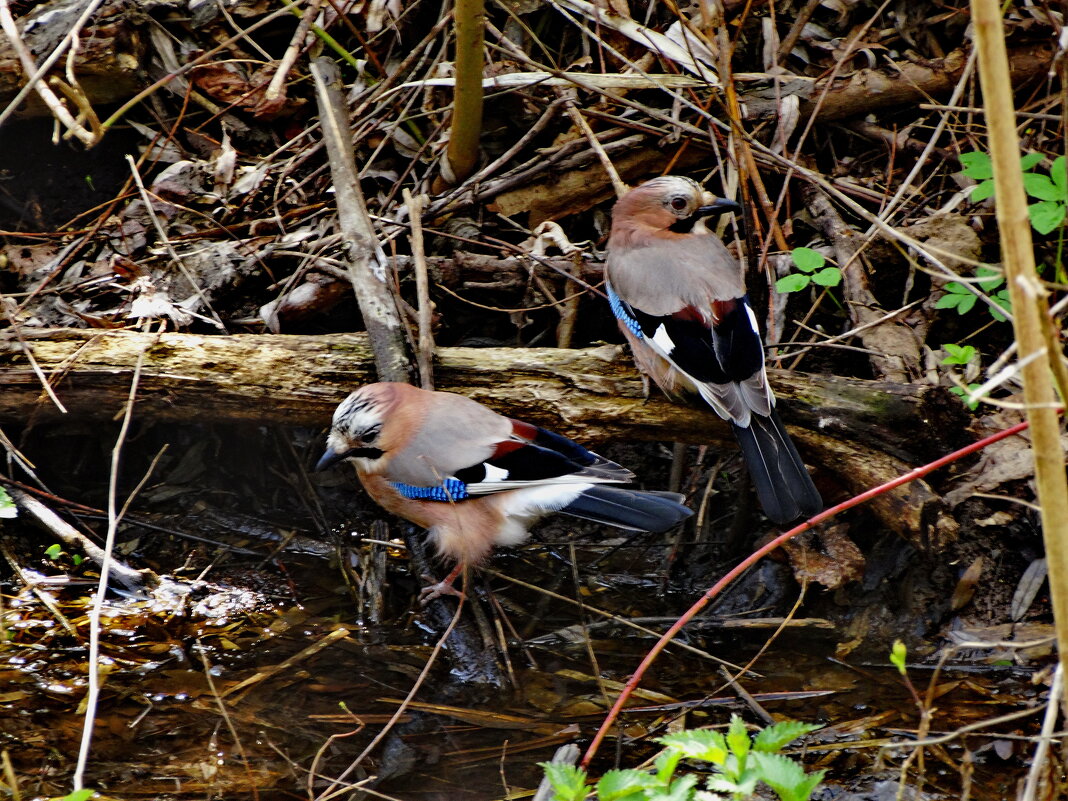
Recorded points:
(906, 83)
(109, 60)
(855, 96)
(913, 510)
(592, 393)
(863, 432)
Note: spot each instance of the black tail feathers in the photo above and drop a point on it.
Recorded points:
(630, 509)
(782, 483)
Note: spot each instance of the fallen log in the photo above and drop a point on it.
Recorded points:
(863, 432)
(591, 393)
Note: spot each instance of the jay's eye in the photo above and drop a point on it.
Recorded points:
(369, 436)
(678, 203)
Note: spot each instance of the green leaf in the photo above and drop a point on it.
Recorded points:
(794, 282)
(1041, 187)
(77, 559)
(982, 191)
(807, 259)
(568, 781)
(898, 655)
(786, 777)
(721, 784)
(964, 394)
(738, 737)
(989, 278)
(666, 762)
(79, 795)
(680, 790)
(1029, 160)
(7, 506)
(966, 303)
(706, 745)
(53, 551)
(959, 354)
(1002, 300)
(957, 297)
(774, 737)
(977, 165)
(1059, 175)
(828, 276)
(625, 785)
(1046, 215)
(947, 302)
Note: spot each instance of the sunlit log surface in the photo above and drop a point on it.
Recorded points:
(594, 393)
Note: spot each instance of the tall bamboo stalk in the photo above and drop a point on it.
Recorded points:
(1028, 303)
(462, 152)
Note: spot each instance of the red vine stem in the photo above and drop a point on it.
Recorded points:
(702, 602)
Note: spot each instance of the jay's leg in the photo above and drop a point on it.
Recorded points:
(443, 587)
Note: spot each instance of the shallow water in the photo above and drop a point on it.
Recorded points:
(199, 700)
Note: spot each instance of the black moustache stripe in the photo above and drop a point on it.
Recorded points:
(367, 453)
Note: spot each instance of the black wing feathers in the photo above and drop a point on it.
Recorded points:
(728, 351)
(527, 463)
(538, 454)
(562, 445)
(738, 347)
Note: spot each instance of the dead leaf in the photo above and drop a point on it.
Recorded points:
(1030, 583)
(829, 558)
(965, 589)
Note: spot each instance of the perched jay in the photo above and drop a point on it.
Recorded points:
(680, 300)
(474, 478)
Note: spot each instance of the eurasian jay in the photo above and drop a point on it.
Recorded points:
(680, 299)
(474, 478)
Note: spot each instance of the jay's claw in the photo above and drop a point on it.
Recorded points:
(438, 589)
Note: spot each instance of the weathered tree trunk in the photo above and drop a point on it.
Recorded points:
(592, 393)
(864, 432)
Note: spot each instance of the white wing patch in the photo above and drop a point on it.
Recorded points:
(752, 319)
(494, 474)
(663, 340)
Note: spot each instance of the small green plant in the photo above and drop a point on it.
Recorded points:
(959, 354)
(740, 763)
(898, 655)
(78, 795)
(968, 357)
(1049, 191)
(7, 506)
(55, 551)
(811, 264)
(959, 297)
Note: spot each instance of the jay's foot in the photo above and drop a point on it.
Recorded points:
(438, 589)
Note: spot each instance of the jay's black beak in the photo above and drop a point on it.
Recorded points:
(719, 206)
(332, 457)
(329, 459)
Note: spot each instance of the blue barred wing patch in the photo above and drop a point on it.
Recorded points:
(451, 489)
(622, 312)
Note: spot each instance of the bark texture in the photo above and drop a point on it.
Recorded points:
(592, 393)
